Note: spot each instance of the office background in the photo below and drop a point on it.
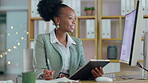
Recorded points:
(13, 34)
(16, 25)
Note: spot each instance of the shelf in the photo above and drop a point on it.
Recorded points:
(140, 60)
(86, 17)
(31, 39)
(112, 39)
(122, 16)
(117, 17)
(114, 60)
(111, 17)
(36, 18)
(86, 39)
(145, 16)
(79, 17)
(116, 39)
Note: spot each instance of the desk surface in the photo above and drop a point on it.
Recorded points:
(121, 81)
(118, 78)
(127, 71)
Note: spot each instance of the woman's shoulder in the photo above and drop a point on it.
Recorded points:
(76, 39)
(43, 36)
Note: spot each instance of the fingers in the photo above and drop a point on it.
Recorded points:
(97, 72)
(48, 75)
(62, 76)
(94, 73)
(101, 70)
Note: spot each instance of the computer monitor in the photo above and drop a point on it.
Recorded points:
(132, 33)
(132, 43)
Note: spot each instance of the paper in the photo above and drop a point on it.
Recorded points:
(127, 3)
(88, 27)
(64, 79)
(123, 7)
(106, 28)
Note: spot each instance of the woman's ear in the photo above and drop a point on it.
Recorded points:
(56, 20)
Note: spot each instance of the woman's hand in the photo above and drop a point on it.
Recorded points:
(97, 72)
(47, 74)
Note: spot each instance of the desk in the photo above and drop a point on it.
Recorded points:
(123, 81)
(120, 80)
(125, 70)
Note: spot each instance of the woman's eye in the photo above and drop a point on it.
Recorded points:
(70, 18)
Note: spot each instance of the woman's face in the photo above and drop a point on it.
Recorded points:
(67, 19)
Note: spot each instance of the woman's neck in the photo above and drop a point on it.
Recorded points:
(61, 36)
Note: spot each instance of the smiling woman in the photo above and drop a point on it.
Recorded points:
(58, 43)
(57, 54)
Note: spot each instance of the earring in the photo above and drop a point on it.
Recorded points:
(58, 26)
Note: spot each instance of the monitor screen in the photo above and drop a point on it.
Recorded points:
(128, 36)
(132, 33)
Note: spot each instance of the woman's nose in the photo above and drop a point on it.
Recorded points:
(74, 21)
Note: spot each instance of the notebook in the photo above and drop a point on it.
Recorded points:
(84, 73)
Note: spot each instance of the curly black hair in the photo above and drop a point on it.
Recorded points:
(48, 9)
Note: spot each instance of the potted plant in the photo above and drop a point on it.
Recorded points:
(89, 10)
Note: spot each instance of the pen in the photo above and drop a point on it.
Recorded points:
(48, 66)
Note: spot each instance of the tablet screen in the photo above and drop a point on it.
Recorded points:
(84, 73)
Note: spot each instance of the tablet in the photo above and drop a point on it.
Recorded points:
(84, 72)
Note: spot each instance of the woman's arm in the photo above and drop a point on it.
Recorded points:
(83, 59)
(39, 55)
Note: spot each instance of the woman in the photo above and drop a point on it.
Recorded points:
(57, 54)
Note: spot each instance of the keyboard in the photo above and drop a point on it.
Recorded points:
(110, 75)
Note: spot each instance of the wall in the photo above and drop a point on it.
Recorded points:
(13, 5)
(16, 18)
